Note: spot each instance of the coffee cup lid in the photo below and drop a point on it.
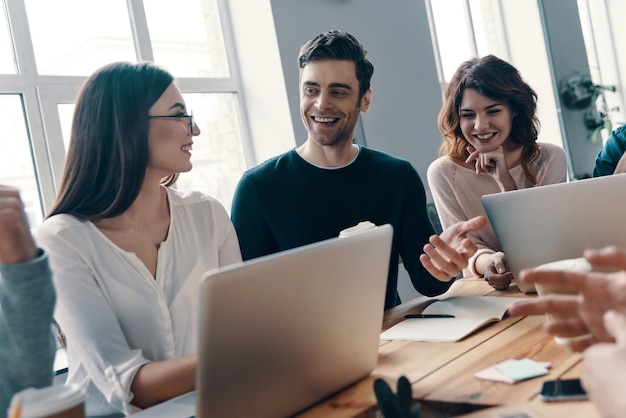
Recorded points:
(358, 228)
(45, 401)
(579, 265)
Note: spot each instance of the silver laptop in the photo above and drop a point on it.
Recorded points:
(282, 332)
(548, 223)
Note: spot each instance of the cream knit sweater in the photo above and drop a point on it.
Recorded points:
(457, 190)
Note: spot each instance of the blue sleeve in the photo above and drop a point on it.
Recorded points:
(608, 157)
(27, 346)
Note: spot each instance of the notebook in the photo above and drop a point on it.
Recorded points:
(282, 332)
(466, 315)
(558, 221)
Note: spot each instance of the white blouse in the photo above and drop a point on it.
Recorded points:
(115, 315)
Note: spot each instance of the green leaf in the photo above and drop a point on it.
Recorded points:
(405, 397)
(387, 400)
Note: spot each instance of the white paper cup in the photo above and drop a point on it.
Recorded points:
(576, 265)
(58, 401)
(357, 229)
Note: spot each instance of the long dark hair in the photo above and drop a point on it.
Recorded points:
(498, 80)
(108, 152)
(339, 45)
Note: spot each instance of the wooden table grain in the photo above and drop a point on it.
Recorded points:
(442, 374)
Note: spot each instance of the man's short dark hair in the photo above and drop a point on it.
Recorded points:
(339, 45)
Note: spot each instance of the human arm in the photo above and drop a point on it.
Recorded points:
(550, 167)
(247, 214)
(605, 369)
(429, 278)
(610, 154)
(111, 309)
(16, 242)
(494, 268)
(494, 164)
(621, 165)
(456, 192)
(600, 292)
(209, 228)
(161, 380)
(565, 306)
(446, 255)
(26, 304)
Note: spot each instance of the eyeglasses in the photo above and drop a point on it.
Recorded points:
(178, 118)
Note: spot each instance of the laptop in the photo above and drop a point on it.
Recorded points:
(558, 221)
(282, 332)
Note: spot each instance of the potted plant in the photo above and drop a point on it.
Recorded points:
(396, 405)
(579, 92)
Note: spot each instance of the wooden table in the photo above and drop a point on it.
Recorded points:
(442, 374)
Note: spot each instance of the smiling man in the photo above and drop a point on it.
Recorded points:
(327, 184)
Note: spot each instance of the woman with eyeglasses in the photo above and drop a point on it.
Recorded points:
(128, 251)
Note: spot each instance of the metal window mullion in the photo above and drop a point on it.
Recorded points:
(502, 30)
(555, 84)
(435, 42)
(10, 82)
(24, 83)
(139, 27)
(50, 96)
(620, 86)
(20, 34)
(208, 85)
(469, 22)
(39, 145)
(233, 64)
(595, 68)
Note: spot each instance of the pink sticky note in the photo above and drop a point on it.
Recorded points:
(493, 373)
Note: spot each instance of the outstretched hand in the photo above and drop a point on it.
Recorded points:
(16, 242)
(599, 293)
(446, 255)
(566, 322)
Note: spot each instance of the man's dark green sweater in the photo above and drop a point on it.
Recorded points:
(287, 202)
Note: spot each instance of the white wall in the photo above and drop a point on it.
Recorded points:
(264, 87)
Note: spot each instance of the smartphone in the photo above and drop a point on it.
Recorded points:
(562, 390)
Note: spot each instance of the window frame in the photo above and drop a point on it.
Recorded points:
(41, 94)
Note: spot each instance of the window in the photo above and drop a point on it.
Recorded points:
(481, 24)
(16, 163)
(7, 64)
(603, 59)
(47, 53)
(462, 29)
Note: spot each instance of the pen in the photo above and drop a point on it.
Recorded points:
(428, 316)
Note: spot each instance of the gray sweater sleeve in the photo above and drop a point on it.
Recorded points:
(27, 345)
